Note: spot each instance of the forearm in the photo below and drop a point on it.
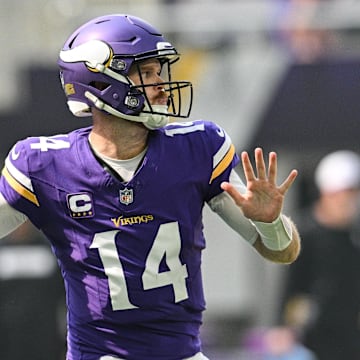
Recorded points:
(277, 242)
(285, 253)
(285, 256)
(10, 219)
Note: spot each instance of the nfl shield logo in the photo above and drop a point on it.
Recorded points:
(126, 196)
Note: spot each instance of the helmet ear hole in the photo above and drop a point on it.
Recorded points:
(99, 85)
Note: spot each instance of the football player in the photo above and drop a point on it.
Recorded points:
(121, 201)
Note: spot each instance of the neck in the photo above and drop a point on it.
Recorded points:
(117, 138)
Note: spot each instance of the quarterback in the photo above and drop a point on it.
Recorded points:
(121, 201)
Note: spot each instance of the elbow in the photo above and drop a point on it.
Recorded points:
(291, 253)
(287, 258)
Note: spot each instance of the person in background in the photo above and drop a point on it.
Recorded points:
(278, 342)
(281, 343)
(299, 35)
(323, 289)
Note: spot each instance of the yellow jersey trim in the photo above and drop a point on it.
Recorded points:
(223, 164)
(20, 189)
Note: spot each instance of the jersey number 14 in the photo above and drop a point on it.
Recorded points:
(167, 244)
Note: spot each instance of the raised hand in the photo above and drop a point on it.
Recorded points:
(263, 199)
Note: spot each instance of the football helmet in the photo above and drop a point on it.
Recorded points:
(94, 70)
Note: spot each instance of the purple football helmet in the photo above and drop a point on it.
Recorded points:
(102, 52)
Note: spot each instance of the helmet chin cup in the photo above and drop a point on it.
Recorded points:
(157, 119)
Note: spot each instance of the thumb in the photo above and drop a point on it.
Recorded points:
(232, 191)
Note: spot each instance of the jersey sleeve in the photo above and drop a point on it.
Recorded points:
(224, 157)
(16, 185)
(207, 149)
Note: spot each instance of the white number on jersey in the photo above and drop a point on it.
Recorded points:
(105, 242)
(184, 128)
(52, 142)
(167, 245)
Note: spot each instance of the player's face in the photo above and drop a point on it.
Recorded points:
(150, 73)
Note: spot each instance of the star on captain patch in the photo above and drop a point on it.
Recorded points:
(126, 196)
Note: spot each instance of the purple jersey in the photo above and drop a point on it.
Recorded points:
(130, 253)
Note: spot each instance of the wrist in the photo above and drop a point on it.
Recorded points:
(276, 235)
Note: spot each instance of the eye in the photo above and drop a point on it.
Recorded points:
(146, 73)
(153, 72)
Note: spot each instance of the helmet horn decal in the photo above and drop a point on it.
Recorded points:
(92, 53)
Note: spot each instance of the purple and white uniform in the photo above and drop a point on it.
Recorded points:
(130, 253)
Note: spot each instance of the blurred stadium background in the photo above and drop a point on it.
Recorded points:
(280, 74)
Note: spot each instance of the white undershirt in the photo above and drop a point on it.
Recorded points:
(125, 168)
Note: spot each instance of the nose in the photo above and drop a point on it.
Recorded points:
(160, 87)
(159, 79)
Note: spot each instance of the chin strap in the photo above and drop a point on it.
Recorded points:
(151, 121)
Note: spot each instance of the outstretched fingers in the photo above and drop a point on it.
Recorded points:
(263, 199)
(261, 172)
(272, 167)
(260, 164)
(272, 173)
(233, 192)
(285, 186)
(248, 169)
